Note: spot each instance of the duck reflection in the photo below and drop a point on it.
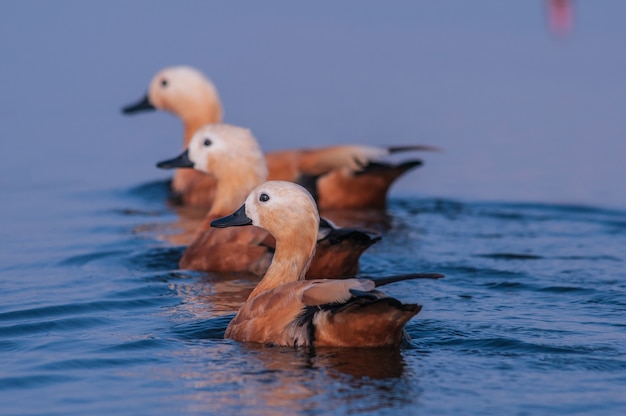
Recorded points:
(183, 230)
(359, 363)
(180, 232)
(260, 379)
(214, 294)
(229, 290)
(371, 363)
(300, 374)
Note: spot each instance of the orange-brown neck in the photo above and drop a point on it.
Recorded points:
(291, 260)
(234, 181)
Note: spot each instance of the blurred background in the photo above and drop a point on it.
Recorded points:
(528, 104)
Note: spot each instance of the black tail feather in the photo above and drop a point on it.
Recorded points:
(409, 148)
(337, 235)
(378, 166)
(381, 281)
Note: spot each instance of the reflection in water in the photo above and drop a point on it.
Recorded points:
(188, 222)
(367, 371)
(178, 232)
(183, 230)
(214, 294)
(258, 379)
(229, 290)
(371, 363)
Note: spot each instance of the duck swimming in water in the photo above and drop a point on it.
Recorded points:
(284, 309)
(340, 177)
(232, 157)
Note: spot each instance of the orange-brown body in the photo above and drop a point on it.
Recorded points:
(187, 93)
(346, 189)
(284, 309)
(251, 249)
(275, 316)
(232, 157)
(228, 250)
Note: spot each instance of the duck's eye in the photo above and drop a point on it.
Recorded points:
(264, 197)
(207, 142)
(164, 83)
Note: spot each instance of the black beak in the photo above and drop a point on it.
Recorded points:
(181, 161)
(233, 220)
(143, 105)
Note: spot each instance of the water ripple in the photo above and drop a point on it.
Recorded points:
(510, 256)
(83, 259)
(77, 308)
(206, 329)
(531, 292)
(141, 344)
(95, 363)
(499, 345)
(155, 191)
(59, 325)
(33, 381)
(566, 289)
(157, 259)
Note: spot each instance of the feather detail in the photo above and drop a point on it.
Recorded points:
(321, 292)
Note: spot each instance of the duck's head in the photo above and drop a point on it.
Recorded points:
(284, 209)
(224, 151)
(181, 90)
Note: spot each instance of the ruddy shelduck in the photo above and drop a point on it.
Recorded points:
(232, 157)
(286, 310)
(340, 177)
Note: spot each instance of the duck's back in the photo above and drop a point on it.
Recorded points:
(281, 316)
(363, 322)
(229, 249)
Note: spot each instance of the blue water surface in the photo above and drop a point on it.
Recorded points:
(95, 316)
(97, 319)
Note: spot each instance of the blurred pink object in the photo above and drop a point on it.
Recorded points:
(561, 16)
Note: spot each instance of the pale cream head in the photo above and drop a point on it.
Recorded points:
(185, 92)
(284, 209)
(224, 149)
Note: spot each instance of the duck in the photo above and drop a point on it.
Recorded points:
(232, 156)
(286, 310)
(339, 177)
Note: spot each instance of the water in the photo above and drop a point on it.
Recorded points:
(96, 318)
